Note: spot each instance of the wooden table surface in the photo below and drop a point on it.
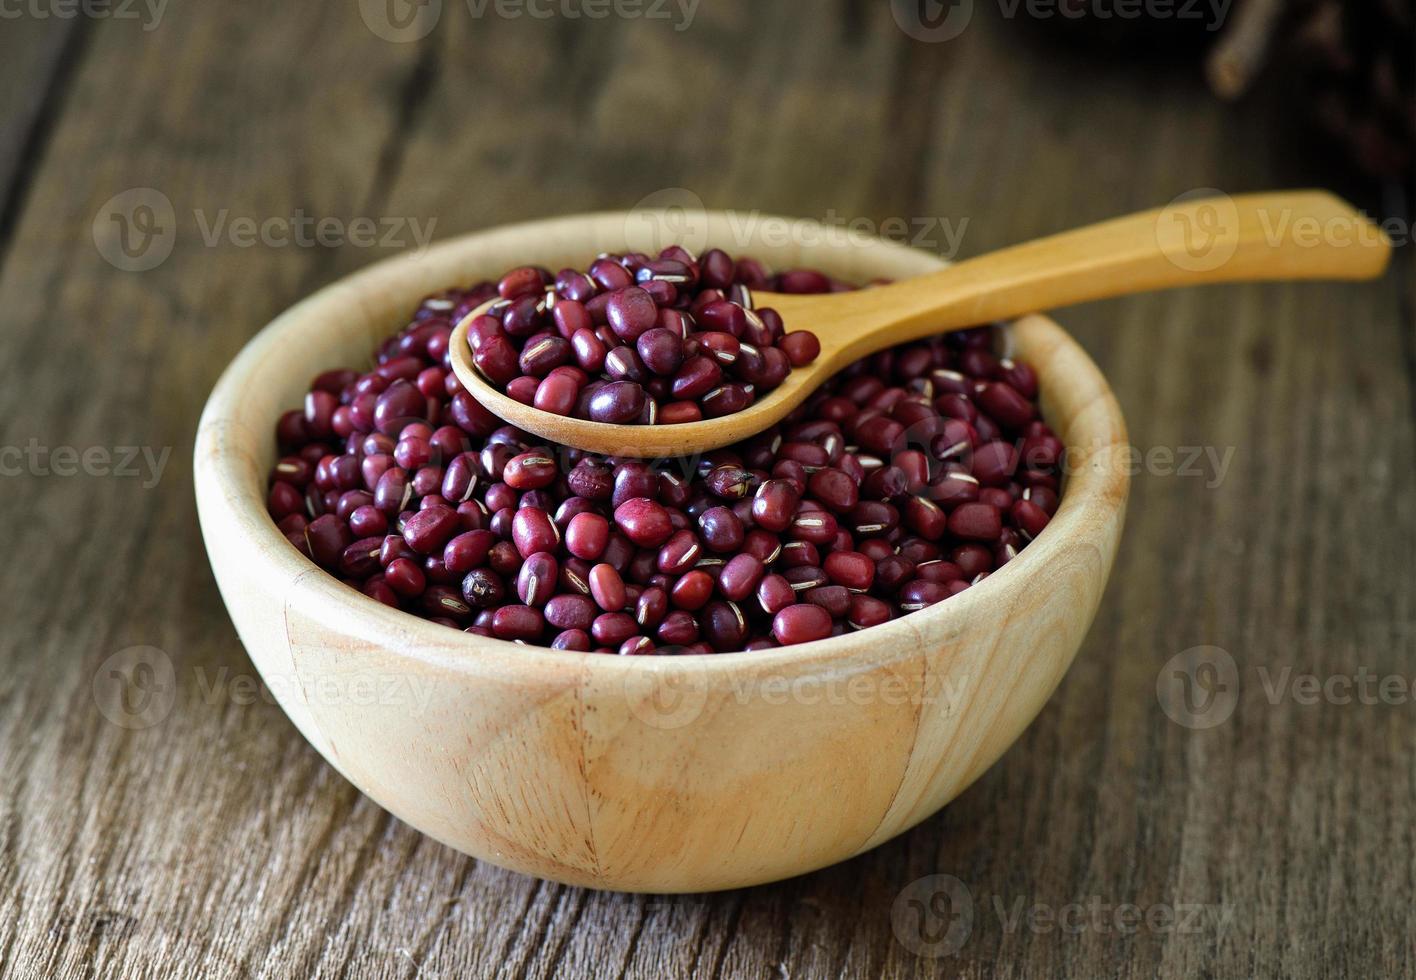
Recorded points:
(1270, 836)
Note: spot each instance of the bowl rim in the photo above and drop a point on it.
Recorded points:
(1095, 493)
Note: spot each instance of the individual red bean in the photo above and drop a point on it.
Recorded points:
(644, 521)
(692, 590)
(852, 569)
(817, 527)
(631, 312)
(532, 530)
(556, 394)
(536, 582)
(773, 505)
(468, 550)
(530, 471)
(573, 639)
(570, 612)
(921, 593)
(727, 399)
(835, 599)
(428, 530)
(651, 607)
(587, 535)
(972, 559)
(1006, 405)
(724, 626)
(975, 522)
(801, 347)
(1028, 516)
(679, 553)
(405, 577)
(618, 402)
(925, 518)
(517, 623)
(721, 530)
(697, 376)
(774, 593)
(867, 611)
(679, 628)
(994, 463)
(801, 623)
(661, 350)
(834, 488)
(607, 587)
(740, 577)
(613, 628)
(675, 413)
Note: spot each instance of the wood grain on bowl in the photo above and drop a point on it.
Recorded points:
(657, 773)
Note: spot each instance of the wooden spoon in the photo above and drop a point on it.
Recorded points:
(1299, 235)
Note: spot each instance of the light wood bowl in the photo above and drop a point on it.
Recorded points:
(656, 774)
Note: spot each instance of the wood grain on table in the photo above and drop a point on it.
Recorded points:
(216, 842)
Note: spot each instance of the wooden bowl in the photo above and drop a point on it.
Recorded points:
(656, 774)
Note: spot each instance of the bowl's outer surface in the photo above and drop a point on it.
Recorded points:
(646, 774)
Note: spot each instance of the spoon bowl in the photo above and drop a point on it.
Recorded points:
(1210, 240)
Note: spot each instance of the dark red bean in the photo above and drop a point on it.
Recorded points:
(740, 577)
(405, 577)
(679, 628)
(428, 530)
(696, 377)
(518, 623)
(644, 522)
(618, 402)
(801, 347)
(631, 312)
(536, 582)
(613, 628)
(570, 612)
(692, 590)
(801, 623)
(468, 550)
(679, 553)
(587, 535)
(532, 530)
(724, 626)
(575, 639)
(1027, 515)
(867, 611)
(773, 505)
(975, 522)
(607, 587)
(852, 569)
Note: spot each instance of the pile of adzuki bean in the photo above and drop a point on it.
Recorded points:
(635, 340)
(910, 476)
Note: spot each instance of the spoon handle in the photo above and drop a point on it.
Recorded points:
(1297, 235)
